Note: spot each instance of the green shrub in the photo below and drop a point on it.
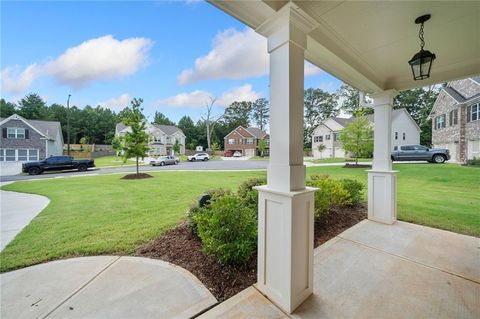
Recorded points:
(331, 193)
(195, 208)
(354, 188)
(247, 194)
(473, 162)
(228, 229)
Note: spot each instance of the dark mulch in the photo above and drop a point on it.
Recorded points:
(348, 165)
(137, 176)
(181, 247)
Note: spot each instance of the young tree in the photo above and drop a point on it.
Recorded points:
(136, 139)
(260, 114)
(215, 147)
(262, 146)
(176, 147)
(319, 106)
(321, 148)
(161, 119)
(117, 145)
(357, 137)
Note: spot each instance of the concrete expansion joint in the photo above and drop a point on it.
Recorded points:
(410, 260)
(272, 302)
(82, 287)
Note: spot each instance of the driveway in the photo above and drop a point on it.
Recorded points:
(17, 210)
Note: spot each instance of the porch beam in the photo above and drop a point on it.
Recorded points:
(285, 219)
(382, 180)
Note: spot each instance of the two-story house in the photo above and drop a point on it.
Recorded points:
(245, 141)
(404, 131)
(161, 138)
(29, 140)
(456, 119)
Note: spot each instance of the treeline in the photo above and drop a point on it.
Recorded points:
(97, 124)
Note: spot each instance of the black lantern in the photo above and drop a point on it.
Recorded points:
(421, 62)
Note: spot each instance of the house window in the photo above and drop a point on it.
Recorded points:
(318, 139)
(240, 141)
(327, 137)
(403, 136)
(231, 141)
(396, 135)
(16, 133)
(336, 136)
(453, 117)
(249, 140)
(267, 141)
(22, 155)
(440, 122)
(473, 113)
(10, 155)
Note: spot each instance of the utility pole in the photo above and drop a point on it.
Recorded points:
(68, 125)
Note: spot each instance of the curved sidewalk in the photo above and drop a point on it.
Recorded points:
(16, 212)
(103, 287)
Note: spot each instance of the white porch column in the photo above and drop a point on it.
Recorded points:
(285, 221)
(382, 180)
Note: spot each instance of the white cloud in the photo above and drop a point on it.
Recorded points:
(234, 55)
(13, 81)
(329, 86)
(199, 98)
(102, 58)
(117, 103)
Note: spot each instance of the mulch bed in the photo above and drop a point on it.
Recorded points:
(357, 165)
(137, 176)
(181, 247)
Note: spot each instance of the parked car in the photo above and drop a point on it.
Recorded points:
(228, 154)
(164, 160)
(57, 163)
(199, 157)
(237, 154)
(420, 153)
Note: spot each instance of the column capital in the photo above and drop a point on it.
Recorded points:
(290, 23)
(383, 97)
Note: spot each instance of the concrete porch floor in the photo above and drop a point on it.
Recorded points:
(382, 271)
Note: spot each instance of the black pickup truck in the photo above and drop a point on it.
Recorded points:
(57, 163)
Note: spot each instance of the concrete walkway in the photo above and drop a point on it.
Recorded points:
(382, 271)
(103, 287)
(16, 212)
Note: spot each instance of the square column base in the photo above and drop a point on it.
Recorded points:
(285, 245)
(382, 196)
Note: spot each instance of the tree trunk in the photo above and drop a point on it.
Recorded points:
(137, 164)
(208, 134)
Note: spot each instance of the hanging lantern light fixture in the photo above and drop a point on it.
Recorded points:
(421, 63)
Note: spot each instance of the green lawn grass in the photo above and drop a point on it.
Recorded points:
(106, 215)
(106, 161)
(259, 158)
(337, 160)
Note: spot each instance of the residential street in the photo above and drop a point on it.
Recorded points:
(211, 165)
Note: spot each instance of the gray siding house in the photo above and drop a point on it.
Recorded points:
(456, 119)
(29, 140)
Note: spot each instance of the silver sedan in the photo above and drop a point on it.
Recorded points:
(164, 160)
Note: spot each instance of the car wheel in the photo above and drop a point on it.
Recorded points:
(439, 159)
(205, 159)
(194, 159)
(33, 171)
(82, 168)
(162, 163)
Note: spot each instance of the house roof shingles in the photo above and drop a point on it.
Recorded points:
(48, 128)
(256, 132)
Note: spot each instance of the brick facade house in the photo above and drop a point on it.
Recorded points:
(29, 140)
(245, 141)
(456, 119)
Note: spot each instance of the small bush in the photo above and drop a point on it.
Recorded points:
(228, 229)
(354, 188)
(247, 194)
(473, 162)
(196, 209)
(331, 193)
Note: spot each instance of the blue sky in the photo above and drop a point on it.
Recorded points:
(174, 55)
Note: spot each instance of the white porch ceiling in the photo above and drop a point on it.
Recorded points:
(368, 43)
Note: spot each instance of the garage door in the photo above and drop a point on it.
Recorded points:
(473, 149)
(250, 152)
(18, 155)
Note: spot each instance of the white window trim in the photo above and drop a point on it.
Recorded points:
(16, 129)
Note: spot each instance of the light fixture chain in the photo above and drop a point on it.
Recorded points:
(420, 35)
